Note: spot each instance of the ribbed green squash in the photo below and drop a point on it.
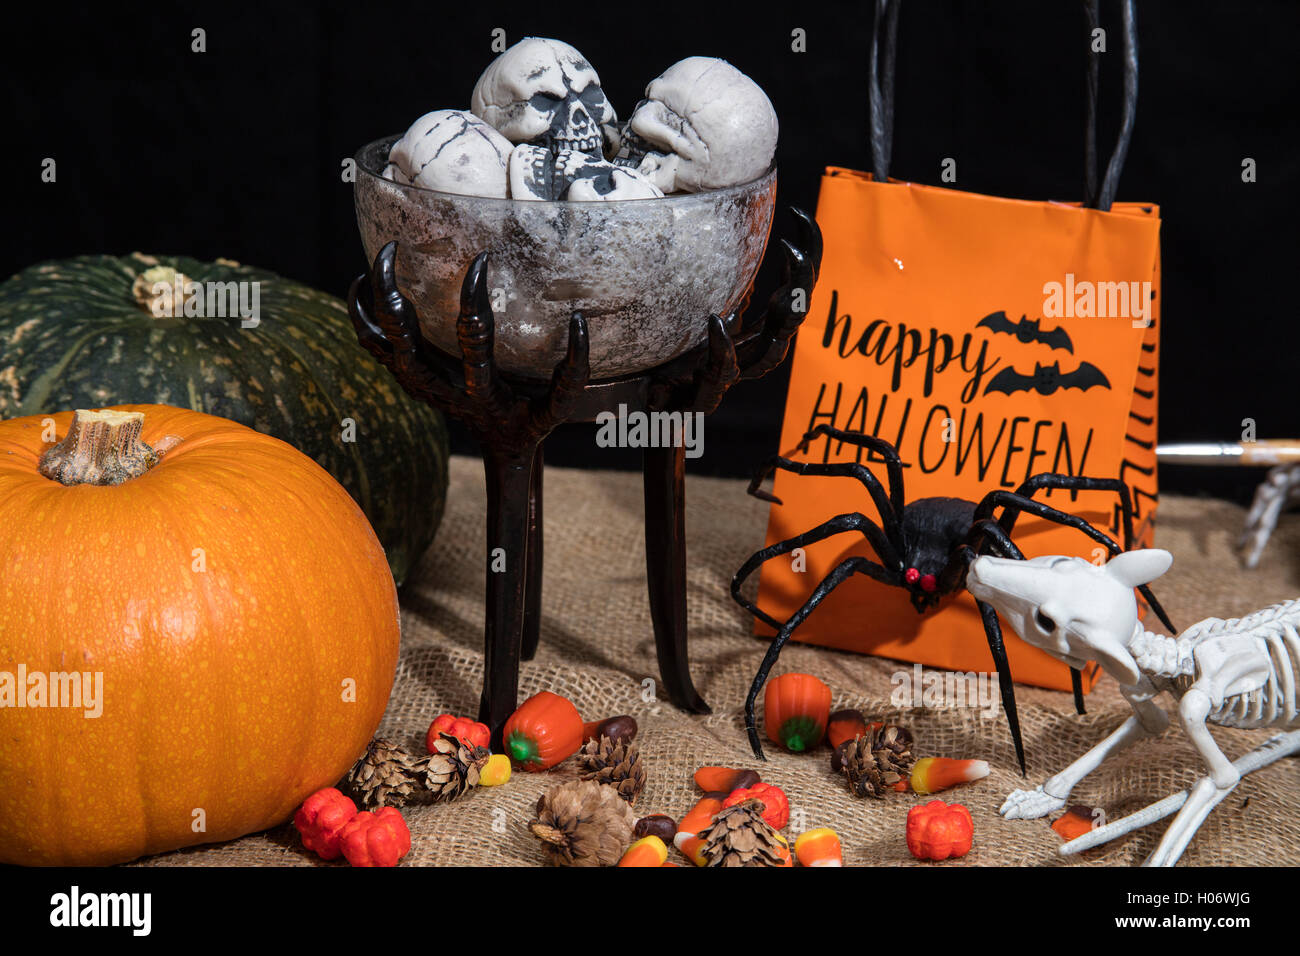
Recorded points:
(77, 333)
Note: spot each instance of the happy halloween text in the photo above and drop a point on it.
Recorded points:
(931, 436)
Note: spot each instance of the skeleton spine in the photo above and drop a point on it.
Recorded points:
(1159, 655)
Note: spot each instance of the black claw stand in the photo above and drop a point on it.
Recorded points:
(510, 418)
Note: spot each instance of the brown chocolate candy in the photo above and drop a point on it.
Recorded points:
(618, 728)
(657, 824)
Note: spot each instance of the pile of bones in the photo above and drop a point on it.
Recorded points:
(540, 127)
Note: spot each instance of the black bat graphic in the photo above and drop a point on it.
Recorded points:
(1047, 379)
(1026, 331)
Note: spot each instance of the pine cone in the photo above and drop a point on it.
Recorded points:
(583, 824)
(615, 763)
(453, 767)
(739, 836)
(386, 776)
(876, 761)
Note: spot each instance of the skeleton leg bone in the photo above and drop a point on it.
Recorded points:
(1205, 796)
(1147, 720)
(1052, 794)
(1196, 705)
(1207, 694)
(1272, 750)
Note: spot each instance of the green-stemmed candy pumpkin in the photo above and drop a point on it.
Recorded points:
(93, 331)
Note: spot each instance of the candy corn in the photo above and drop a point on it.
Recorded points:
(787, 858)
(1077, 821)
(647, 851)
(820, 847)
(699, 817)
(495, 772)
(724, 779)
(932, 774)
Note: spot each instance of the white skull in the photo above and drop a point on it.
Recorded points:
(702, 125)
(453, 151)
(544, 92)
(539, 174)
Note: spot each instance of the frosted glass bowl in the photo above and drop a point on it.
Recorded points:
(645, 273)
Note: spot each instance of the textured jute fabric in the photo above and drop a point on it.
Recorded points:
(598, 649)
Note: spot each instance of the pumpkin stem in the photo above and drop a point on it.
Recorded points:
(102, 448)
(161, 291)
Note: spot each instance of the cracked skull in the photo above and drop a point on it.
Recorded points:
(452, 151)
(702, 125)
(537, 173)
(545, 93)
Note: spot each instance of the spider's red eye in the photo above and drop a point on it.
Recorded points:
(911, 575)
(928, 583)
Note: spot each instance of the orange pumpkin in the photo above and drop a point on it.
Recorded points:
(236, 605)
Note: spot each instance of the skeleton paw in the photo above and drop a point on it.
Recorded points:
(1030, 804)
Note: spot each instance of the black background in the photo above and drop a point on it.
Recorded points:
(237, 151)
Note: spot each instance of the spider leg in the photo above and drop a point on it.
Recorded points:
(1074, 483)
(841, 572)
(890, 518)
(893, 464)
(965, 554)
(837, 525)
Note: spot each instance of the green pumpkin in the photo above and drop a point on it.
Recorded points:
(100, 330)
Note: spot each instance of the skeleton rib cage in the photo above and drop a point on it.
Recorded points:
(1171, 664)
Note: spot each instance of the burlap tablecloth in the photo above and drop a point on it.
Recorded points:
(597, 648)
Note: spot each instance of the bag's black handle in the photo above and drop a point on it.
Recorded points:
(881, 93)
(1110, 184)
(881, 97)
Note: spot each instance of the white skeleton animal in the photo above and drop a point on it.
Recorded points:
(1279, 489)
(702, 125)
(1236, 673)
(544, 92)
(451, 151)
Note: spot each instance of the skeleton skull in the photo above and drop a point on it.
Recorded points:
(545, 93)
(538, 173)
(453, 151)
(702, 125)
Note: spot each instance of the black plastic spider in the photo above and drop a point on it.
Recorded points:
(924, 547)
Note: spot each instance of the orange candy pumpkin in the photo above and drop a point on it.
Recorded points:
(938, 830)
(545, 730)
(232, 608)
(796, 708)
(471, 731)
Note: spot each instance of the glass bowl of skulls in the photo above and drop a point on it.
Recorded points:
(646, 226)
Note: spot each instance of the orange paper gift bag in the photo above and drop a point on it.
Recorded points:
(988, 340)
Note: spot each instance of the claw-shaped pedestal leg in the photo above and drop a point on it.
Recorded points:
(510, 420)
